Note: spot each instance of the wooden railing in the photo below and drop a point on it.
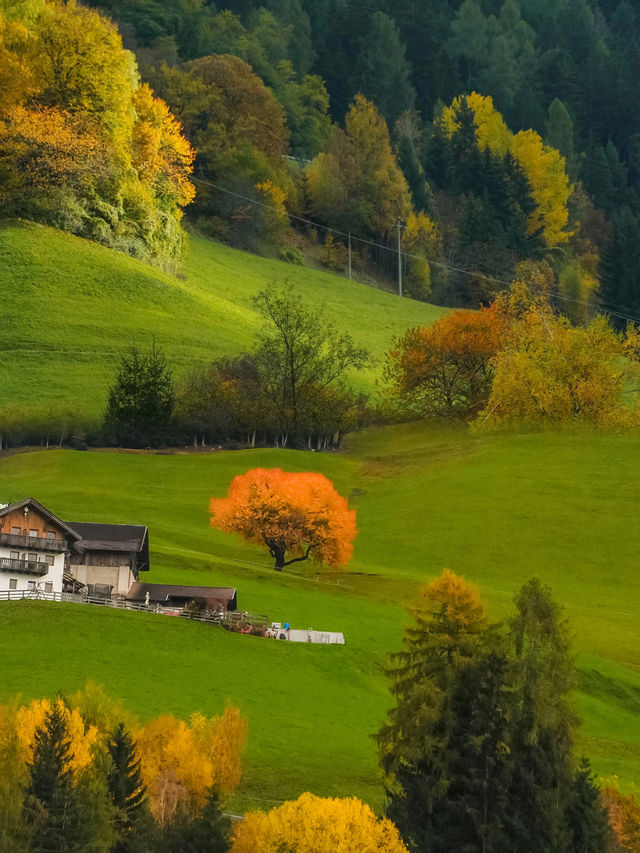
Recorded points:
(38, 543)
(234, 619)
(29, 567)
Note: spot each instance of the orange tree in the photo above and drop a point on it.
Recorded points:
(313, 824)
(445, 368)
(291, 513)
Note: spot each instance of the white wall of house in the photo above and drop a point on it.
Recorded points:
(11, 578)
(119, 577)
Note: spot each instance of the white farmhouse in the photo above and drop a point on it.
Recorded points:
(34, 544)
(39, 551)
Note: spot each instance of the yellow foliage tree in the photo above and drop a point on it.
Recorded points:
(544, 166)
(550, 372)
(161, 155)
(313, 824)
(181, 761)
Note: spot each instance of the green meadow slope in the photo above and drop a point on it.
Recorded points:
(70, 307)
(498, 509)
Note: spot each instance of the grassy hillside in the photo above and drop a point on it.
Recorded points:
(71, 306)
(498, 509)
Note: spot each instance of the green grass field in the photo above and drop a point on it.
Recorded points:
(497, 508)
(71, 307)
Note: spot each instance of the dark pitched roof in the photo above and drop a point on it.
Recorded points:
(110, 537)
(64, 525)
(167, 592)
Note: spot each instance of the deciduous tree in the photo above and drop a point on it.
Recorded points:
(300, 514)
(549, 372)
(446, 368)
(181, 762)
(313, 824)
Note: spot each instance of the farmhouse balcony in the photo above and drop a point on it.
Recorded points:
(29, 567)
(33, 543)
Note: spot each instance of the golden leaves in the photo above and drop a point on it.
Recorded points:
(313, 824)
(544, 166)
(181, 761)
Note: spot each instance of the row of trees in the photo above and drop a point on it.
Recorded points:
(478, 750)
(518, 362)
(80, 773)
(477, 754)
(291, 389)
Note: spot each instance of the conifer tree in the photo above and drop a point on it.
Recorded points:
(208, 833)
(587, 818)
(543, 723)
(141, 399)
(127, 792)
(52, 805)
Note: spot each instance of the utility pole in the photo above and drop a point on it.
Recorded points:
(349, 255)
(400, 225)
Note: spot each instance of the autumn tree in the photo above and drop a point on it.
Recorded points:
(544, 167)
(356, 184)
(624, 818)
(446, 368)
(82, 146)
(313, 824)
(549, 372)
(182, 761)
(296, 514)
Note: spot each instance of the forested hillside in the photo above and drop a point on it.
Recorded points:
(566, 69)
(475, 135)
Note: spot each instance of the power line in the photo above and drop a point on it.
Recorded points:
(614, 311)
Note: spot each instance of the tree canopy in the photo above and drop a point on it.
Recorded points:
(300, 514)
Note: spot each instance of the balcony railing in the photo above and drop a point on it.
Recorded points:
(29, 567)
(37, 543)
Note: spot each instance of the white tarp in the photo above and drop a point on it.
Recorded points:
(311, 636)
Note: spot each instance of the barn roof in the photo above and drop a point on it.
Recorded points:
(169, 592)
(110, 537)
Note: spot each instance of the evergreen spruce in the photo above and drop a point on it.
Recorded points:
(133, 822)
(140, 401)
(587, 818)
(620, 285)
(208, 833)
(51, 803)
(543, 723)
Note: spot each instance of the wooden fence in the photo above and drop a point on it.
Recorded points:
(235, 619)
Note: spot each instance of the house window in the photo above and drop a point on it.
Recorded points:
(51, 534)
(33, 558)
(49, 558)
(15, 555)
(48, 587)
(33, 533)
(13, 583)
(31, 584)
(15, 531)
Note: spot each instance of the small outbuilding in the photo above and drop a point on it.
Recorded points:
(168, 595)
(109, 557)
